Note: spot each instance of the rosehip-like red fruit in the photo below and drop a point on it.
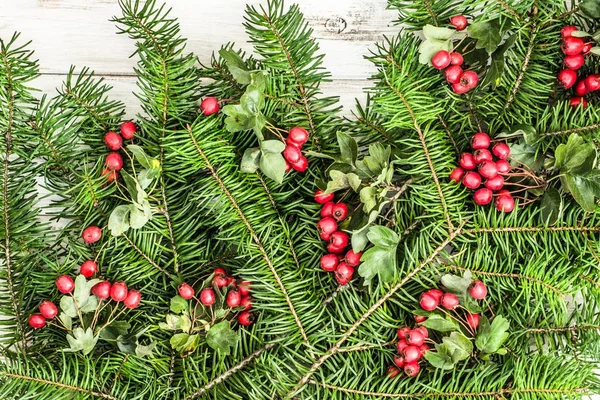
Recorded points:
(298, 136)
(339, 239)
(209, 106)
(505, 203)
(323, 198)
(501, 150)
(472, 180)
(343, 273)
(592, 82)
(567, 78)
(457, 174)
(207, 296)
(401, 345)
(572, 45)
(244, 288)
(411, 353)
(449, 301)
(567, 31)
(586, 48)
(37, 321)
(503, 166)
(220, 280)
(113, 141)
(453, 73)
(495, 183)
(402, 333)
(234, 298)
(91, 234)
(65, 284)
(483, 196)
(133, 299)
(580, 88)
(574, 62)
(128, 130)
(329, 262)
(340, 211)
(246, 302)
(110, 174)
(576, 101)
(118, 291)
(399, 361)
(473, 320)
(301, 165)
(219, 271)
(467, 161)
(327, 209)
(423, 349)
(326, 227)
(482, 155)
(428, 303)
(246, 318)
(412, 369)
(456, 58)
(436, 294)
(423, 331)
(186, 291)
(88, 268)
(441, 59)
(352, 258)
(114, 161)
(480, 140)
(392, 371)
(292, 154)
(48, 309)
(102, 290)
(459, 22)
(488, 169)
(468, 80)
(415, 338)
(478, 290)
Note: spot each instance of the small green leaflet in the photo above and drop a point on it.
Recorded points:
(439, 323)
(381, 258)
(457, 284)
(178, 304)
(340, 180)
(551, 206)
(80, 340)
(491, 337)
(114, 330)
(273, 166)
(348, 148)
(368, 196)
(67, 307)
(496, 69)
(237, 67)
(526, 154)
(584, 188)
(458, 346)
(221, 337)
(185, 343)
(118, 222)
(440, 359)
(176, 323)
(591, 8)
(487, 33)
(250, 160)
(436, 39)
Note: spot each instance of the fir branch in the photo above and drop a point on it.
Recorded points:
(524, 66)
(145, 256)
(574, 328)
(573, 130)
(534, 229)
(365, 347)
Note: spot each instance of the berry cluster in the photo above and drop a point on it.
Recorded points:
(237, 295)
(575, 49)
(411, 349)
(433, 298)
(209, 106)
(487, 168)
(332, 213)
(292, 152)
(114, 141)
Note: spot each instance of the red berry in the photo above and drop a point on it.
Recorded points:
(567, 78)
(352, 258)
(482, 155)
(244, 288)
(113, 141)
(327, 209)
(288, 166)
(478, 290)
(114, 161)
(399, 361)
(335, 249)
(340, 211)
(586, 48)
(48, 309)
(480, 140)
(503, 166)
(133, 299)
(488, 169)
(456, 174)
(592, 82)
(415, 338)
(118, 291)
(246, 302)
(37, 321)
(91, 234)
(411, 353)
(501, 150)
(483, 196)
(246, 318)
(436, 294)
(576, 101)
(220, 280)
(102, 290)
(292, 154)
(441, 59)
(473, 320)
(424, 348)
(567, 31)
(329, 262)
(472, 180)
(343, 273)
(234, 298)
(468, 80)
(495, 183)
(423, 331)
(323, 198)
(207, 296)
(298, 136)
(65, 284)
(572, 45)
(428, 303)
(301, 165)
(453, 73)
(411, 369)
(128, 130)
(339, 239)
(459, 22)
(456, 58)
(402, 333)
(574, 62)
(505, 202)
(209, 106)
(219, 271)
(392, 371)
(420, 318)
(185, 291)
(401, 345)
(467, 161)
(111, 175)
(580, 88)
(88, 268)
(326, 227)
(449, 301)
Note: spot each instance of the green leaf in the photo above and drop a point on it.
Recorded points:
(184, 343)
(252, 100)
(440, 323)
(221, 337)
(80, 340)
(82, 289)
(238, 119)
(384, 237)
(178, 305)
(250, 160)
(272, 146)
(457, 284)
(526, 155)
(145, 178)
(528, 132)
(584, 188)
(145, 350)
(359, 240)
(89, 306)
(491, 337)
(140, 155)
(236, 66)
(378, 159)
(439, 359)
(66, 320)
(580, 34)
(273, 166)
(176, 323)
(590, 8)
(496, 69)
(131, 184)
(378, 261)
(67, 307)
(458, 345)
(368, 196)
(595, 50)
(340, 180)
(551, 206)
(258, 79)
(487, 34)
(118, 222)
(348, 148)
(575, 156)
(114, 330)
(429, 47)
(137, 217)
(437, 33)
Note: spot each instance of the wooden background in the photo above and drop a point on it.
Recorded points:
(78, 32)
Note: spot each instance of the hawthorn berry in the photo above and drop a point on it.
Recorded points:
(118, 291)
(128, 130)
(478, 290)
(185, 291)
(340, 211)
(234, 298)
(436, 294)
(457, 174)
(592, 82)
(88, 268)
(505, 203)
(467, 161)
(329, 262)
(37, 321)
(297, 136)
(587, 47)
(424, 348)
(468, 80)
(301, 165)
(453, 73)
(48, 309)
(574, 62)
(402, 333)
(423, 331)
(441, 59)
(576, 101)
(339, 239)
(221, 280)
(503, 166)
(449, 301)
(113, 141)
(581, 88)
(327, 209)
(459, 22)
(456, 58)
(343, 273)
(411, 353)
(480, 140)
(567, 31)
(428, 302)
(114, 161)
(352, 258)
(392, 371)
(415, 338)
(323, 198)
(572, 45)
(111, 175)
(567, 78)
(209, 105)
(472, 180)
(246, 318)
(488, 169)
(102, 290)
(501, 150)
(292, 154)
(133, 299)
(473, 320)
(483, 196)
(401, 345)
(412, 369)
(244, 288)
(207, 296)
(219, 271)
(65, 284)
(326, 227)
(91, 234)
(246, 302)
(481, 155)
(495, 183)
(399, 361)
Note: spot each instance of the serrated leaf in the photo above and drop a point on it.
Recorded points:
(496, 68)
(140, 155)
(348, 148)
(439, 359)
(236, 66)
(441, 324)
(67, 307)
(184, 343)
(145, 350)
(526, 154)
(272, 146)
(118, 222)
(575, 156)
(273, 166)
(238, 119)
(457, 284)
(250, 160)
(80, 340)
(491, 337)
(368, 196)
(384, 237)
(114, 330)
(340, 180)
(584, 188)
(551, 206)
(378, 261)
(437, 33)
(90, 305)
(178, 305)
(66, 320)
(359, 240)
(487, 34)
(459, 346)
(591, 8)
(252, 100)
(82, 289)
(221, 337)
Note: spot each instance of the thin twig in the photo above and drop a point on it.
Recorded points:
(60, 385)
